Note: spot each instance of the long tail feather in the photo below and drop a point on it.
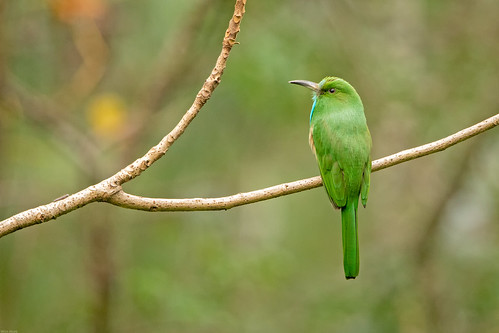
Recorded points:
(350, 240)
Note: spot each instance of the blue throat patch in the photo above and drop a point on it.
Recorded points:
(313, 107)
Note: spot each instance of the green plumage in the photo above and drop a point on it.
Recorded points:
(341, 142)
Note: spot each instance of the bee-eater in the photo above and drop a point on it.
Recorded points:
(341, 141)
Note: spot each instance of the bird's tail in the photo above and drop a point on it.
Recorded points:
(350, 240)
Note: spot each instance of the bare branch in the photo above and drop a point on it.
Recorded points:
(52, 210)
(126, 200)
(105, 191)
(156, 152)
(436, 146)
(112, 185)
(110, 190)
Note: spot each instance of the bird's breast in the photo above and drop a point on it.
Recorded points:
(311, 139)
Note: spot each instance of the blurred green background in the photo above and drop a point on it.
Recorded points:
(88, 86)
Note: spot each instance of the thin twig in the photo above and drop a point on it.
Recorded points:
(436, 146)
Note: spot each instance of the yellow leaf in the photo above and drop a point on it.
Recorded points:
(106, 114)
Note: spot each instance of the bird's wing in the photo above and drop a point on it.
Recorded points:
(366, 175)
(332, 174)
(366, 180)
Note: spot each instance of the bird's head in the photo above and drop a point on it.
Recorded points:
(331, 88)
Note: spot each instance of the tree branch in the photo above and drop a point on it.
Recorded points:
(131, 201)
(156, 152)
(112, 185)
(110, 190)
(112, 193)
(126, 200)
(436, 146)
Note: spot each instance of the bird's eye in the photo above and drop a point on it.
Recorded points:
(332, 90)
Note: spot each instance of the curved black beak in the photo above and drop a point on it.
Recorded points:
(308, 84)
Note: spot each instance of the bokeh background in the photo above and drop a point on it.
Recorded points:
(87, 86)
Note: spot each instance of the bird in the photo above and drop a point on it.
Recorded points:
(341, 142)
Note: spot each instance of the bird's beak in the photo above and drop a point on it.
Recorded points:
(308, 84)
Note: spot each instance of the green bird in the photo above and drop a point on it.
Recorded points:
(341, 141)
